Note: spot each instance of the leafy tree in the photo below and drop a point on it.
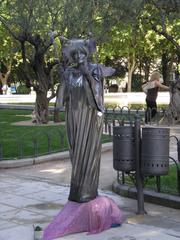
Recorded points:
(163, 18)
(32, 23)
(7, 54)
(134, 38)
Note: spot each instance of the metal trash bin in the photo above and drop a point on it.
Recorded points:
(155, 151)
(124, 148)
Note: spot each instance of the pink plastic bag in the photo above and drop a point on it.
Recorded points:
(93, 217)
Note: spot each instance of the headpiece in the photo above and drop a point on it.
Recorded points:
(88, 45)
(70, 46)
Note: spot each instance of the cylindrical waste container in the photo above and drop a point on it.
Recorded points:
(155, 151)
(124, 148)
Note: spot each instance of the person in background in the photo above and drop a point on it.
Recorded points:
(151, 89)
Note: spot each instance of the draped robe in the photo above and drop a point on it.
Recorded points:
(83, 100)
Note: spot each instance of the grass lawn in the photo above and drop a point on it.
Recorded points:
(168, 183)
(27, 141)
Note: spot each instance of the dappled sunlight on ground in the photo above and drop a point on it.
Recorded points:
(54, 170)
(136, 219)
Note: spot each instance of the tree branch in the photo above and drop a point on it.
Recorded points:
(50, 65)
(30, 10)
(25, 69)
(167, 36)
(50, 41)
(6, 25)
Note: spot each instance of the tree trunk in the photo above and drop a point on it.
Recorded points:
(164, 62)
(4, 78)
(57, 115)
(172, 114)
(167, 67)
(43, 79)
(146, 68)
(131, 68)
(41, 107)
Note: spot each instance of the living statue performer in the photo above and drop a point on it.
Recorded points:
(83, 99)
(82, 95)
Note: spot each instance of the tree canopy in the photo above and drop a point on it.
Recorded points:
(142, 34)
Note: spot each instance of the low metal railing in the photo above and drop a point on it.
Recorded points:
(38, 144)
(112, 117)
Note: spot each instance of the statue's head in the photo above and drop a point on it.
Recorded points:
(77, 50)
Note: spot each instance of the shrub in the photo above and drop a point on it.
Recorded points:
(137, 80)
(113, 88)
(137, 106)
(163, 106)
(22, 89)
(110, 105)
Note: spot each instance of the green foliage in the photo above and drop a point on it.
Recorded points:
(110, 105)
(137, 106)
(124, 30)
(26, 21)
(22, 89)
(162, 106)
(163, 18)
(143, 106)
(137, 81)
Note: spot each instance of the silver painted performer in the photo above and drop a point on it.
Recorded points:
(82, 95)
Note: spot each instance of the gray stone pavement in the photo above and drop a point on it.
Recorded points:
(35, 194)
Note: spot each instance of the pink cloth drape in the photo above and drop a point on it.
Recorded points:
(93, 217)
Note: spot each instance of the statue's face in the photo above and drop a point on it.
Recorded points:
(79, 56)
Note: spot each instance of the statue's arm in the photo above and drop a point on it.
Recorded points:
(93, 75)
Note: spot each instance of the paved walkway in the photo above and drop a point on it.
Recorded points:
(35, 194)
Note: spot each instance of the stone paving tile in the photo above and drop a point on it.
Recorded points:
(16, 201)
(13, 180)
(26, 188)
(6, 225)
(34, 184)
(46, 196)
(22, 191)
(63, 189)
(166, 213)
(5, 208)
(9, 189)
(22, 216)
(18, 233)
(49, 209)
(5, 185)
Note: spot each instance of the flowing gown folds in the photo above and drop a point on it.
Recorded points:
(84, 121)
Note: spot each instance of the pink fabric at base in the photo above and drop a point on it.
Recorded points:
(92, 217)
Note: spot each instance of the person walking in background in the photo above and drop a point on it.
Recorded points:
(151, 89)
